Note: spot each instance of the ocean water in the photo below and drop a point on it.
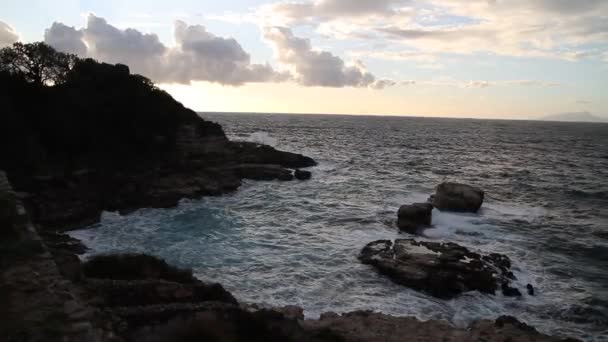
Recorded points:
(296, 242)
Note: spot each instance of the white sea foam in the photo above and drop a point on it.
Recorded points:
(261, 137)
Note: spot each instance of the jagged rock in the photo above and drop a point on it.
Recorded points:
(457, 197)
(415, 216)
(302, 175)
(252, 153)
(367, 326)
(443, 270)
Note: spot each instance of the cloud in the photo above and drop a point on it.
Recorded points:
(318, 68)
(477, 84)
(198, 55)
(65, 38)
(201, 55)
(8, 35)
(516, 28)
(326, 10)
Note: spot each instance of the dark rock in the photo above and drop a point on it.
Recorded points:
(211, 322)
(530, 289)
(263, 172)
(155, 291)
(65, 242)
(443, 270)
(134, 267)
(457, 197)
(415, 216)
(367, 326)
(503, 321)
(252, 153)
(302, 175)
(509, 291)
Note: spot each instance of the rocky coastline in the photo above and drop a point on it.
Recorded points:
(52, 295)
(143, 149)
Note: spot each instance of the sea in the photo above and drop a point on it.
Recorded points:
(296, 243)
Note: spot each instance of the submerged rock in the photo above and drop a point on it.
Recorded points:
(457, 197)
(443, 270)
(302, 175)
(414, 216)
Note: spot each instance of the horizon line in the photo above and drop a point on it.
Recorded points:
(407, 116)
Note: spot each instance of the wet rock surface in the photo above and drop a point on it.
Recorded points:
(302, 174)
(457, 197)
(413, 217)
(443, 270)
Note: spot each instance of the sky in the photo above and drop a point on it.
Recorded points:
(510, 59)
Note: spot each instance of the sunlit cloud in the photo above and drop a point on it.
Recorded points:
(8, 35)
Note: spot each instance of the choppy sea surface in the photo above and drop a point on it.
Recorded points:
(296, 242)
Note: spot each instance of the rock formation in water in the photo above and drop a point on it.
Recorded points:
(411, 218)
(302, 175)
(457, 197)
(443, 270)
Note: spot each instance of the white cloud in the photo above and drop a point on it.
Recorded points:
(520, 28)
(8, 35)
(318, 68)
(326, 10)
(65, 38)
(197, 56)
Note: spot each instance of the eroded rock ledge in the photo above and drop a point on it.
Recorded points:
(165, 304)
(443, 270)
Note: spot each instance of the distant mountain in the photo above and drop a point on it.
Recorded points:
(575, 117)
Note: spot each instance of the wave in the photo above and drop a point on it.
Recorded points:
(261, 137)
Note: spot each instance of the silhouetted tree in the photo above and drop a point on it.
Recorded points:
(37, 62)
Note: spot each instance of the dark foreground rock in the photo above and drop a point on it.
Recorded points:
(159, 310)
(367, 326)
(415, 216)
(443, 270)
(457, 197)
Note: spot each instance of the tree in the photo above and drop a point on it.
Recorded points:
(37, 62)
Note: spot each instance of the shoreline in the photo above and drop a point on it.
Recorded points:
(88, 313)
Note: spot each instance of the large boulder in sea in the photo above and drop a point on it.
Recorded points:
(457, 197)
(443, 270)
(415, 216)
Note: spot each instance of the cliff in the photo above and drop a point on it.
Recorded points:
(104, 139)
